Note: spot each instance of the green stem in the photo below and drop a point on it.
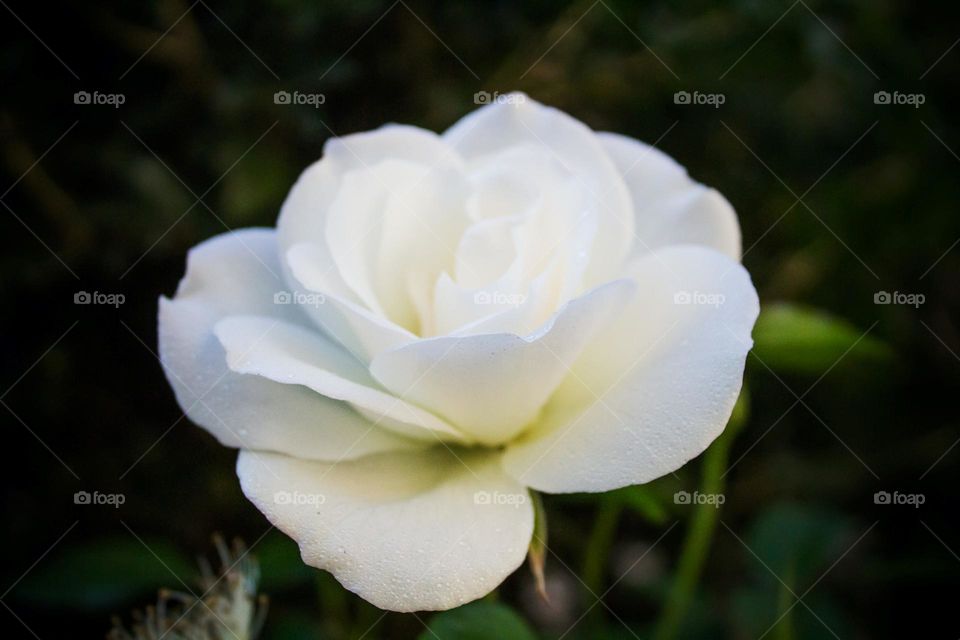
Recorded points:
(784, 630)
(696, 544)
(598, 547)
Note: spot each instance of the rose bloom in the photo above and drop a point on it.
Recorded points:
(441, 323)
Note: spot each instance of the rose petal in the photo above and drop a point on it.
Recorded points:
(359, 330)
(304, 218)
(238, 273)
(504, 308)
(485, 252)
(407, 532)
(518, 120)
(550, 232)
(289, 354)
(491, 386)
(656, 389)
(671, 208)
(394, 227)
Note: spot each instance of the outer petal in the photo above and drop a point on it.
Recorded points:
(492, 386)
(671, 208)
(656, 389)
(406, 531)
(519, 120)
(289, 354)
(238, 273)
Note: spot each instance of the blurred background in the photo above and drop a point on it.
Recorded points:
(825, 122)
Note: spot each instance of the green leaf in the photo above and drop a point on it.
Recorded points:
(755, 611)
(280, 564)
(293, 625)
(106, 573)
(799, 541)
(641, 499)
(478, 621)
(798, 339)
(795, 544)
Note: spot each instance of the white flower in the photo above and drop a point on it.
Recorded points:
(440, 322)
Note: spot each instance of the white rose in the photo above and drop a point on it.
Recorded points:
(441, 322)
